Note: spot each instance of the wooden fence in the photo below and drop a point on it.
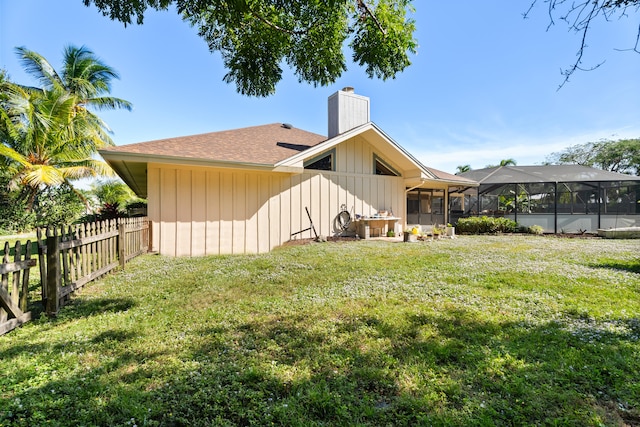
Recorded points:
(14, 286)
(69, 257)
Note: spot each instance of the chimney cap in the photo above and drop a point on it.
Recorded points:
(348, 89)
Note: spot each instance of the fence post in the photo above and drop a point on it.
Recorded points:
(53, 273)
(42, 263)
(121, 244)
(149, 235)
(24, 295)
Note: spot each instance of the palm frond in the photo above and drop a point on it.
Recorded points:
(36, 65)
(13, 155)
(43, 175)
(86, 169)
(109, 103)
(85, 74)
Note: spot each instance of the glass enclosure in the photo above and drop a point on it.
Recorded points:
(524, 201)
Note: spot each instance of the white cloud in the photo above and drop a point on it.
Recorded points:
(479, 149)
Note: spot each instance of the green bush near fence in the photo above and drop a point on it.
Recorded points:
(486, 225)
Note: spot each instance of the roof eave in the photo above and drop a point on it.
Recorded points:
(132, 167)
(109, 155)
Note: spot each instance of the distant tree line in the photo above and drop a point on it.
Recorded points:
(622, 155)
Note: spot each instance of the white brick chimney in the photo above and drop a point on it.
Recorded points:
(347, 111)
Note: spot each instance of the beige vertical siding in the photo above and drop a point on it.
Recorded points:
(168, 206)
(203, 211)
(153, 204)
(184, 214)
(199, 213)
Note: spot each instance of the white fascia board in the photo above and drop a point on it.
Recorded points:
(189, 161)
(425, 172)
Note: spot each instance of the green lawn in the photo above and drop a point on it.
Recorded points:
(498, 330)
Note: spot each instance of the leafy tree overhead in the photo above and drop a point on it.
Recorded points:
(621, 156)
(255, 37)
(50, 133)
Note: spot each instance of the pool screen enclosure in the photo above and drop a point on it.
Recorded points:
(560, 198)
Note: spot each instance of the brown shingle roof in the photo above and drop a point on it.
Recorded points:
(266, 144)
(449, 177)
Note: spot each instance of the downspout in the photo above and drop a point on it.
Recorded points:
(414, 187)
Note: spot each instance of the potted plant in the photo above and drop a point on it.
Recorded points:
(411, 234)
(450, 231)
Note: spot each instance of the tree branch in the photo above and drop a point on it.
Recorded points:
(364, 8)
(579, 16)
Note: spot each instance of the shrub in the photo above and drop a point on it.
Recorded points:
(137, 208)
(485, 224)
(535, 229)
(58, 206)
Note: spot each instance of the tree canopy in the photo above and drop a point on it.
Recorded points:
(256, 37)
(621, 156)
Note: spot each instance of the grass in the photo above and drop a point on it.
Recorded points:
(517, 330)
(23, 240)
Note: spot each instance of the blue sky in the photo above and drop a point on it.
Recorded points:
(483, 86)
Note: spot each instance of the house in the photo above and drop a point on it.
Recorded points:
(248, 190)
(559, 198)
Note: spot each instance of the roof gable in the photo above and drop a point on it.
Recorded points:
(372, 133)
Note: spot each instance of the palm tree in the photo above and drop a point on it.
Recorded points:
(113, 192)
(504, 162)
(462, 169)
(50, 133)
(507, 162)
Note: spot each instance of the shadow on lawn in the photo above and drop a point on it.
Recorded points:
(75, 310)
(417, 368)
(631, 266)
(90, 307)
(423, 369)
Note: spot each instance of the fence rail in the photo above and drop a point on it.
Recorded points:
(69, 257)
(14, 286)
